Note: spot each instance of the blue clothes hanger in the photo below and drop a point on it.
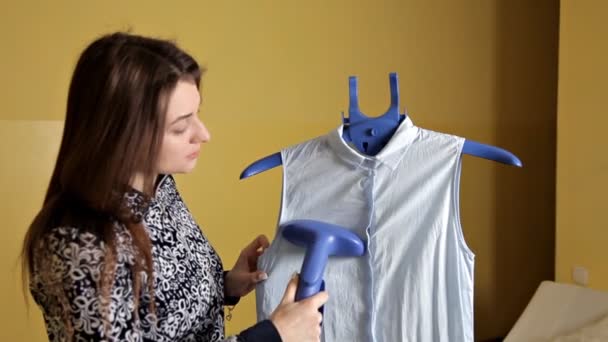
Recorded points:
(370, 135)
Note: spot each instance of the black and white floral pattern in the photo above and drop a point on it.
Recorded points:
(189, 288)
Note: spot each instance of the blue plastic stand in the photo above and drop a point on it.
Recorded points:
(370, 135)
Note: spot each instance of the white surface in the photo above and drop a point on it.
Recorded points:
(558, 309)
(595, 332)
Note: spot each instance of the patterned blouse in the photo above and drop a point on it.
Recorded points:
(188, 281)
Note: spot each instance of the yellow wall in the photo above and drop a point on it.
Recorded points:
(27, 154)
(278, 71)
(582, 160)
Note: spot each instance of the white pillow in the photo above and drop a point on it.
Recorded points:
(595, 332)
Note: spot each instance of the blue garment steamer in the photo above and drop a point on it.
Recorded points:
(321, 240)
(369, 136)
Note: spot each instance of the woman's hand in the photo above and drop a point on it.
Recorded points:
(299, 321)
(244, 276)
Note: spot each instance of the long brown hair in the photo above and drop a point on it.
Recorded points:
(113, 129)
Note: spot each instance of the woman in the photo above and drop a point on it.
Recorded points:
(114, 254)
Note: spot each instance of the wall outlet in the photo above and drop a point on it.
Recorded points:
(580, 275)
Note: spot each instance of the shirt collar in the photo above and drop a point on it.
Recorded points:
(166, 192)
(138, 202)
(389, 156)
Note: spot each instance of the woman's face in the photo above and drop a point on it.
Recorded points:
(184, 131)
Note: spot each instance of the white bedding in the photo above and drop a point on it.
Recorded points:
(563, 313)
(595, 332)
